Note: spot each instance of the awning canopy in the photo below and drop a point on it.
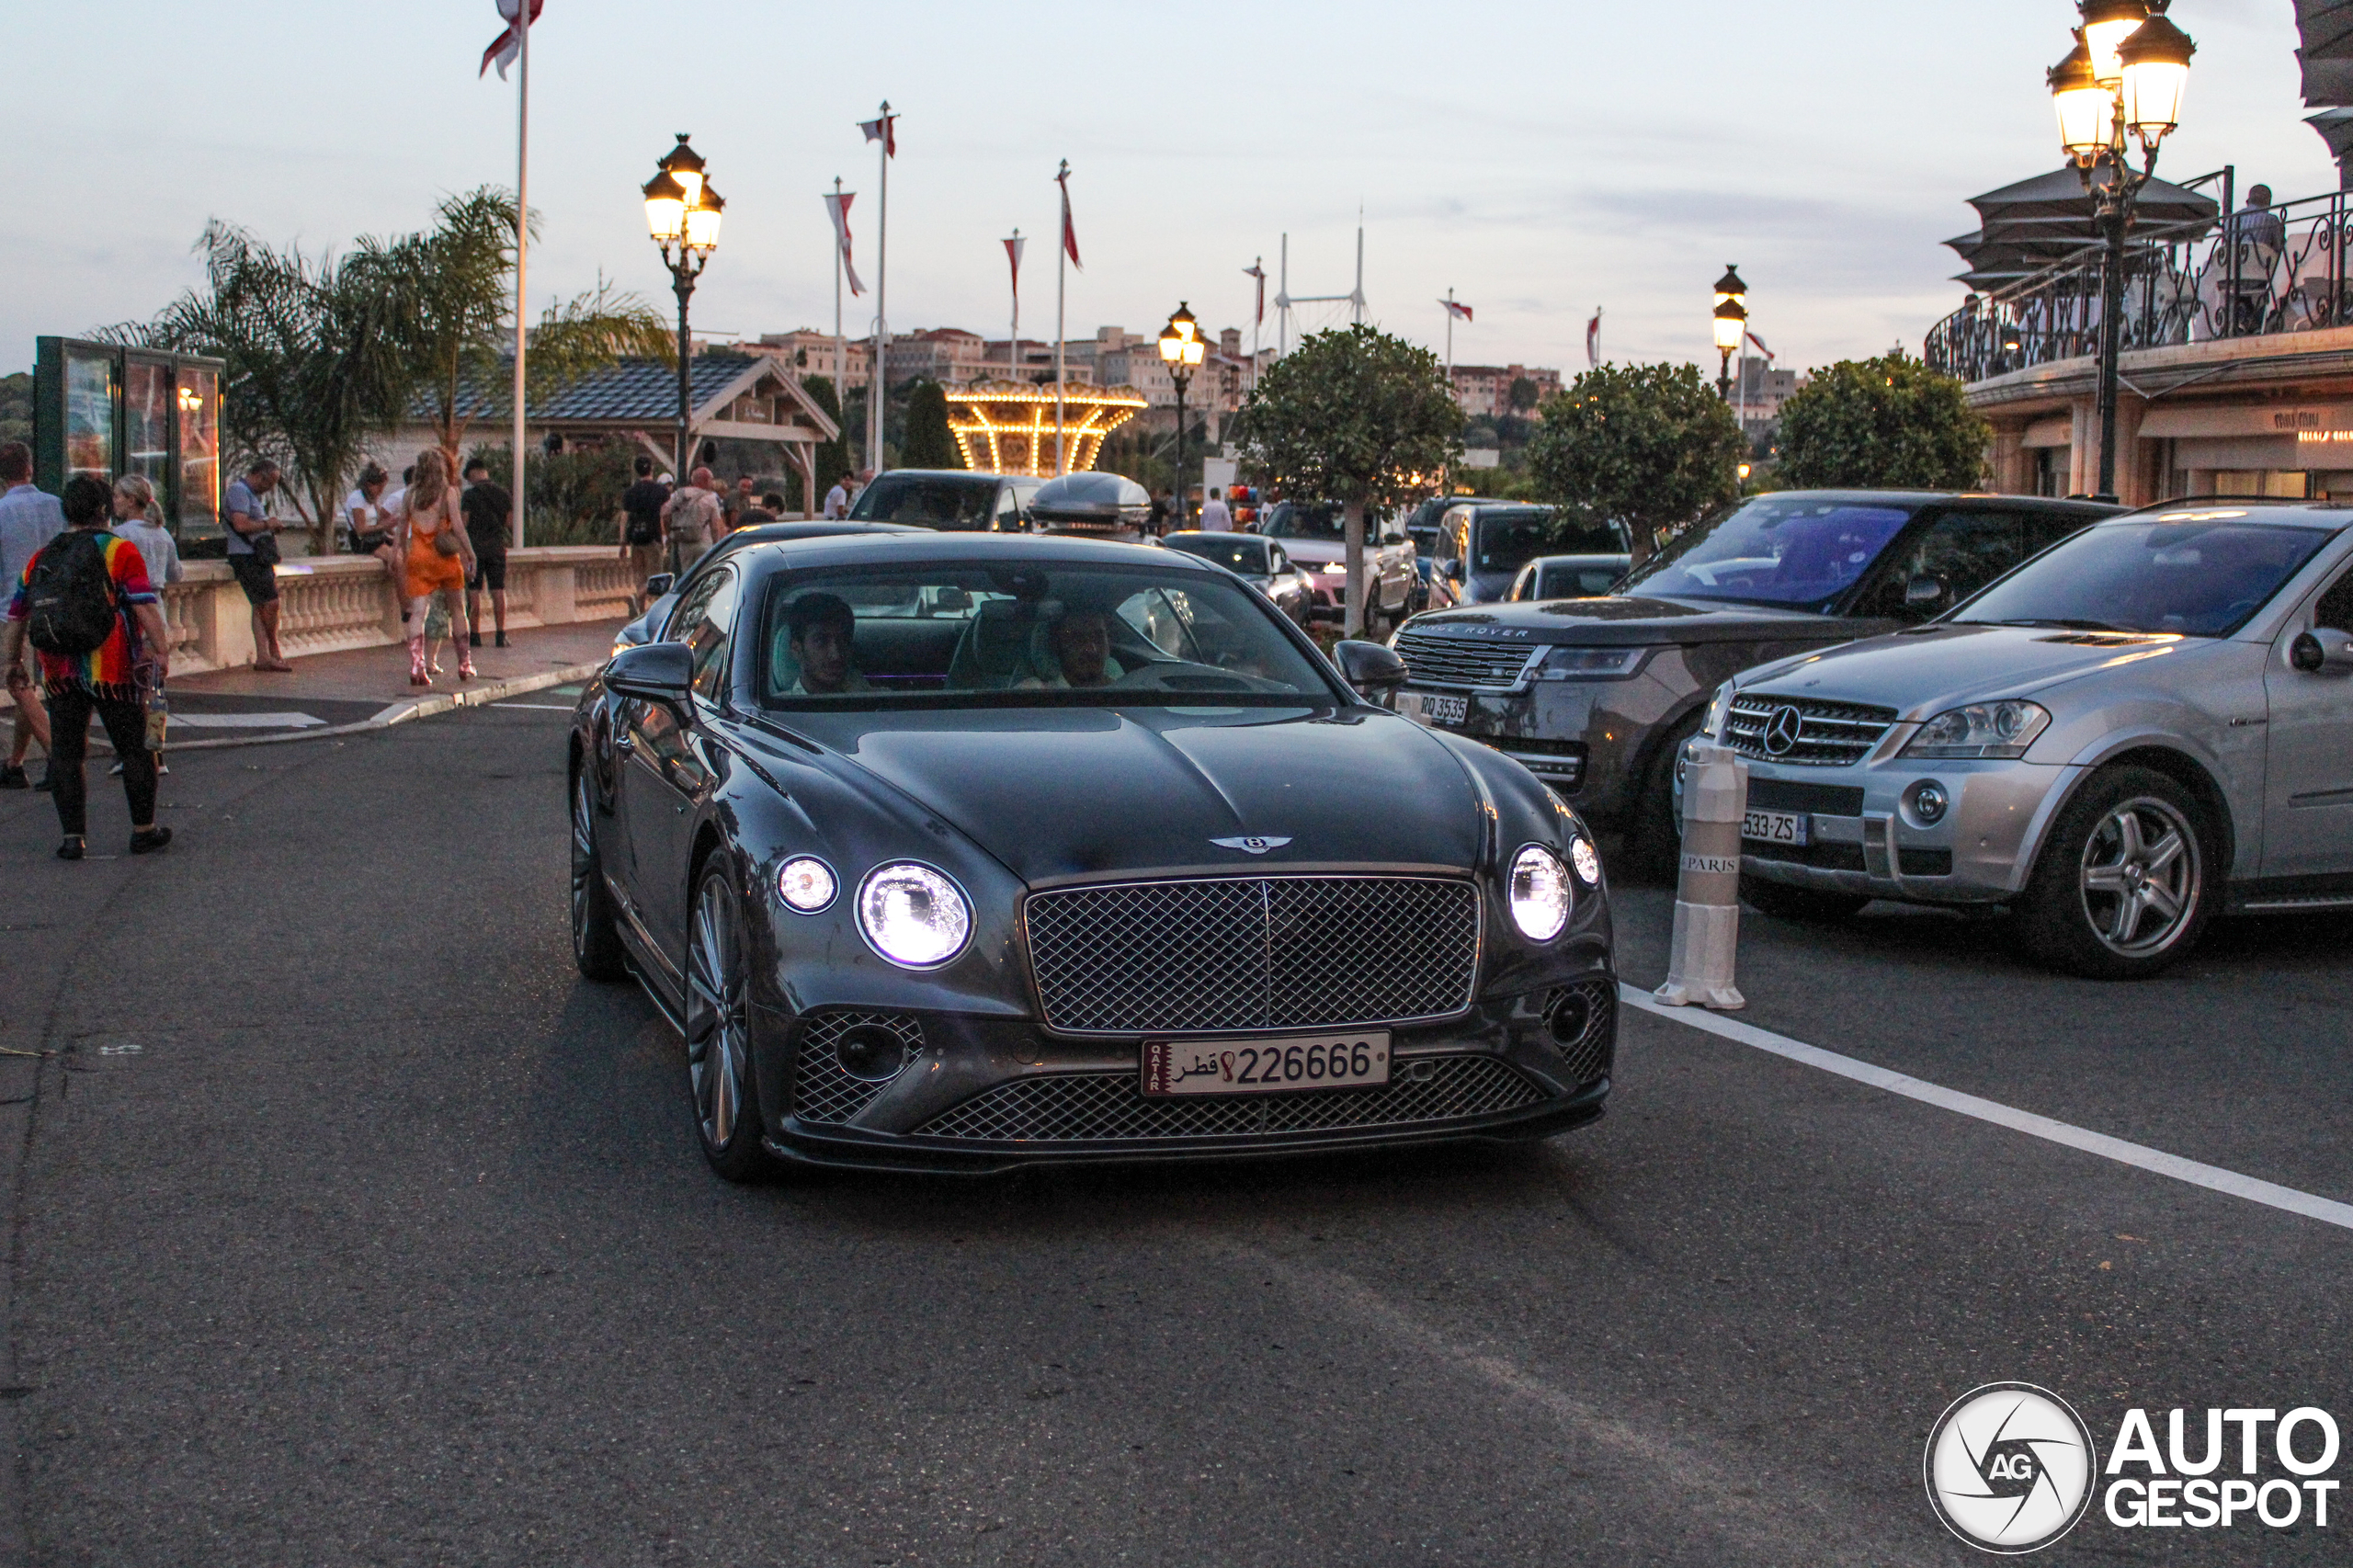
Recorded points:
(2040, 222)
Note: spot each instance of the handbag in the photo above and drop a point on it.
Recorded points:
(444, 540)
(265, 545)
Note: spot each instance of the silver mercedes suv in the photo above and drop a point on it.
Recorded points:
(2148, 722)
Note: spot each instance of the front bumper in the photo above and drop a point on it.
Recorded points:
(1496, 1073)
(1869, 838)
(1590, 739)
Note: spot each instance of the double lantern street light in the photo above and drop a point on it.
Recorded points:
(1183, 349)
(2126, 73)
(1732, 324)
(682, 213)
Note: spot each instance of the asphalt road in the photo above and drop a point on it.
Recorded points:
(347, 1225)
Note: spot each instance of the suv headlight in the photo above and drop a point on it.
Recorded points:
(1712, 726)
(1981, 729)
(1539, 893)
(1590, 664)
(915, 916)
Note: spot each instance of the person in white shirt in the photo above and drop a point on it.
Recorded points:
(837, 499)
(1215, 516)
(140, 520)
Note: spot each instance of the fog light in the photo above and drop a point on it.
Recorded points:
(1569, 1017)
(871, 1053)
(1929, 803)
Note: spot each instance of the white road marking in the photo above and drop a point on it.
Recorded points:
(2213, 1178)
(539, 707)
(246, 721)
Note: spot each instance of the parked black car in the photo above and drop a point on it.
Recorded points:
(954, 500)
(1597, 696)
(968, 852)
(1568, 577)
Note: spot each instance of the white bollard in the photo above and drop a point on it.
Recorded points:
(1706, 895)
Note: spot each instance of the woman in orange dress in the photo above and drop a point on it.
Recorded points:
(435, 558)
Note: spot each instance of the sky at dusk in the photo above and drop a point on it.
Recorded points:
(1539, 160)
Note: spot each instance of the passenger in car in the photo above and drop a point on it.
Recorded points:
(821, 630)
(1081, 644)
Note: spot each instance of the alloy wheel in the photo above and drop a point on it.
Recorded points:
(2140, 878)
(716, 1053)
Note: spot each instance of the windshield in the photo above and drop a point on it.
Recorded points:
(911, 633)
(1773, 550)
(1247, 556)
(2199, 579)
(1295, 520)
(963, 505)
(1508, 541)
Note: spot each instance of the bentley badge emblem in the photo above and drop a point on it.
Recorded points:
(1252, 846)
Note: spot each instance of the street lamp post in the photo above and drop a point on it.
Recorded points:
(682, 213)
(1732, 324)
(2126, 73)
(1182, 348)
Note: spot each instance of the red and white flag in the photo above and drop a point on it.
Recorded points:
(1457, 309)
(1013, 248)
(1593, 339)
(837, 208)
(1760, 348)
(1070, 235)
(885, 130)
(509, 43)
(1260, 274)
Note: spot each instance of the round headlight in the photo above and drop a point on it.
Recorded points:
(805, 883)
(913, 916)
(1586, 859)
(1539, 893)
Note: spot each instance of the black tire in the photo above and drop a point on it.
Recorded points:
(2112, 903)
(720, 1086)
(1653, 838)
(596, 936)
(1812, 905)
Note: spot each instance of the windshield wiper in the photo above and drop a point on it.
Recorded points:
(2067, 623)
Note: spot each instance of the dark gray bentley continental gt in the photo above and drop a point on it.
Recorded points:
(968, 851)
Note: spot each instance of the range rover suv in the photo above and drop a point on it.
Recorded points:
(1597, 696)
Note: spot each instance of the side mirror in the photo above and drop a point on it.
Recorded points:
(658, 584)
(2323, 651)
(1452, 571)
(1374, 671)
(1924, 593)
(652, 671)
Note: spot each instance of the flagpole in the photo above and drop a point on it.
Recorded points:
(875, 390)
(522, 246)
(1449, 341)
(841, 347)
(1013, 348)
(1062, 287)
(1259, 320)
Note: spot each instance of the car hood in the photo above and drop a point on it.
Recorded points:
(1317, 551)
(1920, 674)
(1077, 791)
(1620, 621)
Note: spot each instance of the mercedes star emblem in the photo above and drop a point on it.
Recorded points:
(1781, 730)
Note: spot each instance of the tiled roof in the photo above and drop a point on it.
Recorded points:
(632, 390)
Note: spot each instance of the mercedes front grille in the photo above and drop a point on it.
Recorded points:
(1802, 731)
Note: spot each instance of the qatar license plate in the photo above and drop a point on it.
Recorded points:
(1778, 827)
(1266, 1067)
(1433, 707)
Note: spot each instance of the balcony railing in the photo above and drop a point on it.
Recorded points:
(2251, 274)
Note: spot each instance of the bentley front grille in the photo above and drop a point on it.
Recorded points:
(826, 1090)
(1802, 731)
(1225, 954)
(1433, 660)
(1080, 1108)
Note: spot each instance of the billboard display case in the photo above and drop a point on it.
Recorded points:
(108, 411)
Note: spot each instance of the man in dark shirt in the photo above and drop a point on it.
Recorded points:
(489, 512)
(642, 529)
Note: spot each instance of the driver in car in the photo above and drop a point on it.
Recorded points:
(1080, 641)
(820, 629)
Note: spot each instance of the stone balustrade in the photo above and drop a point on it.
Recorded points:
(333, 602)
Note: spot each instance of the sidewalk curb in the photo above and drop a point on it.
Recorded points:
(402, 711)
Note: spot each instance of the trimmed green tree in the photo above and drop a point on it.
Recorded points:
(1654, 446)
(1890, 423)
(1358, 416)
(833, 458)
(929, 443)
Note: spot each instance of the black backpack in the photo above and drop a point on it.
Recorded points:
(71, 597)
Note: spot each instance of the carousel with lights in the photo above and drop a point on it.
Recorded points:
(1008, 426)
